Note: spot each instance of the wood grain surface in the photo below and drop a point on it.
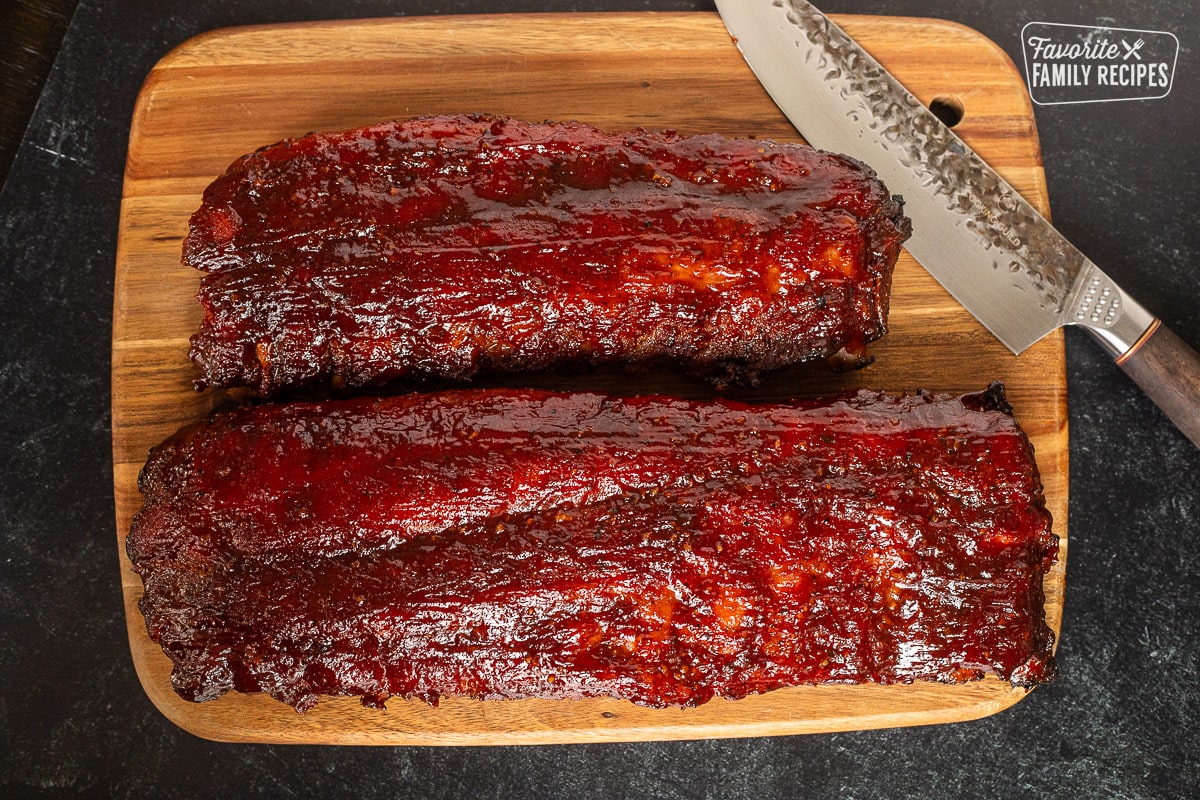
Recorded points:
(230, 91)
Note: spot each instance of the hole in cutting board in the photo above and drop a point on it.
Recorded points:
(948, 108)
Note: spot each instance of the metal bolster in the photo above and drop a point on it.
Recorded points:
(1103, 308)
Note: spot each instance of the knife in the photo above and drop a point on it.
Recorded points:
(971, 230)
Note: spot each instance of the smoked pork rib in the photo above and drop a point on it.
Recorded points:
(445, 246)
(520, 543)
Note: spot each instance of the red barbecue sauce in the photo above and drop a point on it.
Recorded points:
(519, 543)
(442, 247)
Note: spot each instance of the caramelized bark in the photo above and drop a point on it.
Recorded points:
(510, 544)
(445, 246)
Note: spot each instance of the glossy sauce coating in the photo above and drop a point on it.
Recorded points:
(445, 246)
(510, 544)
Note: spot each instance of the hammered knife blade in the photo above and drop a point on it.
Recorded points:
(971, 230)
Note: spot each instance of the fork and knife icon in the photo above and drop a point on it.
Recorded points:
(1132, 49)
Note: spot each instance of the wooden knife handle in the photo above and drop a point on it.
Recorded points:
(1168, 371)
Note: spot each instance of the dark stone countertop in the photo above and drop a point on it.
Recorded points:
(1121, 722)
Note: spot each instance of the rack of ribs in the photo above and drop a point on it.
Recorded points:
(442, 247)
(519, 543)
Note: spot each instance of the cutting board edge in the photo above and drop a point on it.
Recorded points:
(197, 42)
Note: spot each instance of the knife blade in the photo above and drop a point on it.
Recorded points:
(972, 231)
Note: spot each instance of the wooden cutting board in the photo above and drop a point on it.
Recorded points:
(230, 91)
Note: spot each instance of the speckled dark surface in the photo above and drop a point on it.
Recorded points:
(1121, 722)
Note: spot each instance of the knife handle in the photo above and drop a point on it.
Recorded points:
(1168, 370)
